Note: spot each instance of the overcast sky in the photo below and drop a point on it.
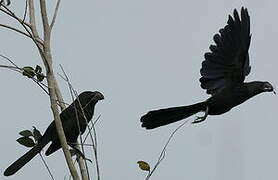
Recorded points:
(144, 55)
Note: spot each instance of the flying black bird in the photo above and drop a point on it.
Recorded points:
(223, 72)
(73, 122)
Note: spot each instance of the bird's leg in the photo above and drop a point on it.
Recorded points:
(201, 118)
(78, 152)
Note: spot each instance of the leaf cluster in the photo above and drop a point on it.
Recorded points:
(30, 72)
(29, 138)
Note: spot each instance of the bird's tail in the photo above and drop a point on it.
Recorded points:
(161, 117)
(18, 164)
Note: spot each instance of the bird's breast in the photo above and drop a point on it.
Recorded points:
(226, 99)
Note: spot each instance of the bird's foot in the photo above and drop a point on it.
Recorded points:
(78, 153)
(201, 118)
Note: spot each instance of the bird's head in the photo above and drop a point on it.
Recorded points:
(97, 95)
(90, 98)
(257, 87)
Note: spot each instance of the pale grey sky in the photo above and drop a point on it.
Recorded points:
(146, 55)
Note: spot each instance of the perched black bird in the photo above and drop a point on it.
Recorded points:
(74, 123)
(223, 72)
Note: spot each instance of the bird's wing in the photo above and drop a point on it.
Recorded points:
(228, 61)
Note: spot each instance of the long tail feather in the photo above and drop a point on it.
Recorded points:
(18, 164)
(161, 117)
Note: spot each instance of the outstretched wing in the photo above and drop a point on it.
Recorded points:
(228, 61)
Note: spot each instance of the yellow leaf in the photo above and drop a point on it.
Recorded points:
(144, 165)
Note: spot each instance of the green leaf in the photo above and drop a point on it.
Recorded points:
(40, 77)
(37, 134)
(28, 71)
(25, 133)
(26, 141)
(38, 69)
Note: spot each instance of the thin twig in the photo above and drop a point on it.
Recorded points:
(12, 15)
(16, 30)
(38, 42)
(162, 154)
(94, 136)
(47, 58)
(46, 166)
(87, 135)
(55, 14)
(41, 85)
(98, 118)
(14, 67)
(18, 69)
(85, 175)
(25, 11)
(90, 128)
(11, 68)
(5, 57)
(82, 144)
(94, 141)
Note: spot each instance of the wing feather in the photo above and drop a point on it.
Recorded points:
(228, 59)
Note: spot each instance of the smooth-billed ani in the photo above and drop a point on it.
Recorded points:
(223, 72)
(74, 123)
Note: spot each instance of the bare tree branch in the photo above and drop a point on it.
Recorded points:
(20, 70)
(45, 52)
(59, 127)
(83, 166)
(38, 42)
(45, 23)
(55, 14)
(33, 27)
(8, 59)
(52, 91)
(163, 152)
(10, 13)
(16, 30)
(59, 95)
(46, 166)
(25, 11)
(94, 143)
(11, 68)
(32, 19)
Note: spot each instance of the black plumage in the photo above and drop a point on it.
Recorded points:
(222, 75)
(74, 123)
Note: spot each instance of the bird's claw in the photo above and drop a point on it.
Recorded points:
(201, 118)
